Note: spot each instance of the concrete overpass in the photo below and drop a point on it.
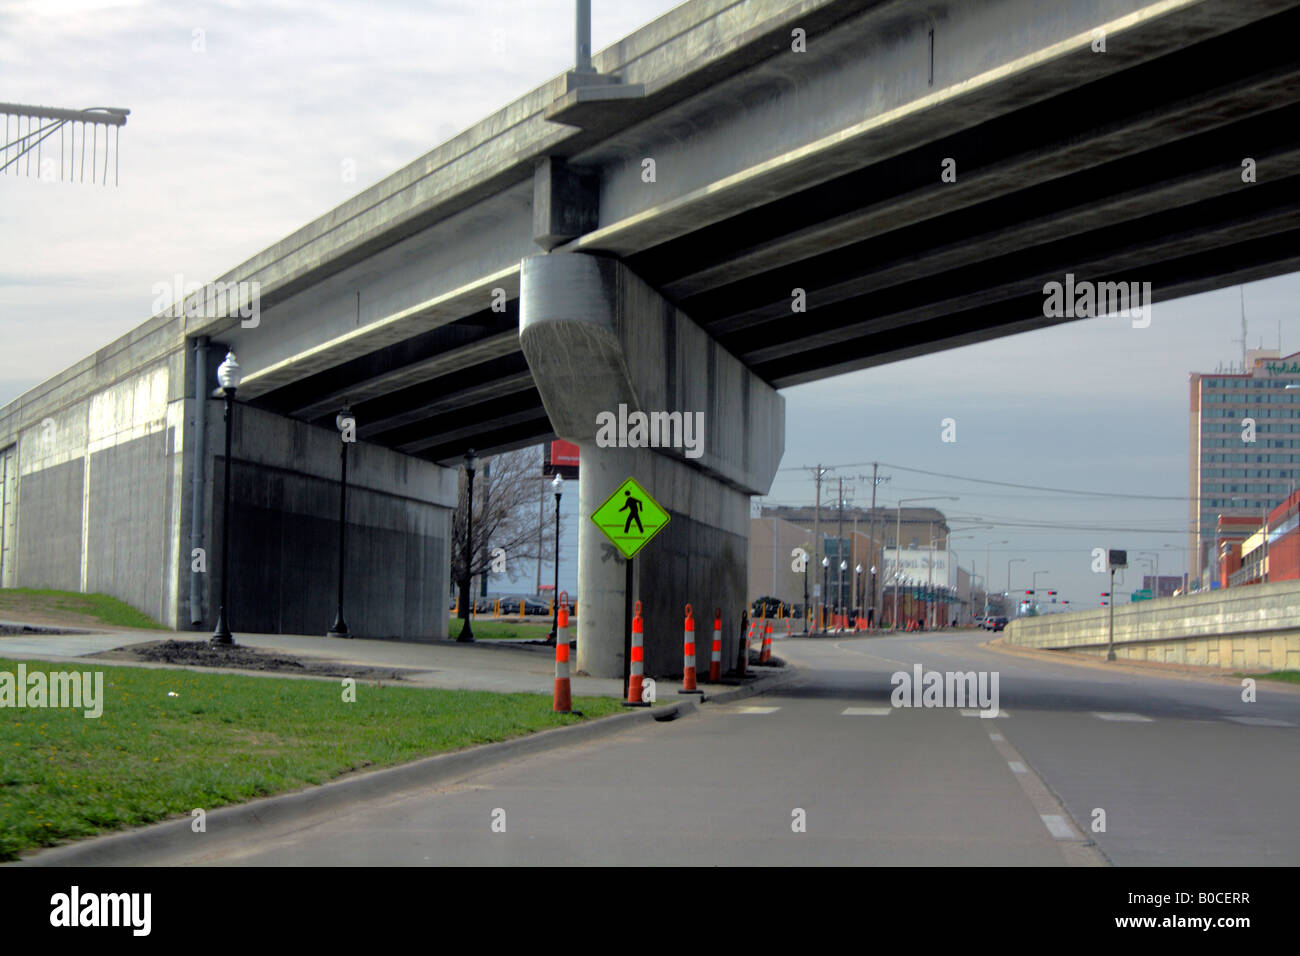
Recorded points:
(638, 235)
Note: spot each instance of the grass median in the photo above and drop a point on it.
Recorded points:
(495, 630)
(88, 608)
(224, 739)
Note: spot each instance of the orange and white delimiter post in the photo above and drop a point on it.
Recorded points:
(766, 653)
(636, 666)
(688, 655)
(715, 655)
(562, 702)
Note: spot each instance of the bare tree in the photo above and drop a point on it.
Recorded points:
(505, 517)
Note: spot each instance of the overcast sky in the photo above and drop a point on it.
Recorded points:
(245, 114)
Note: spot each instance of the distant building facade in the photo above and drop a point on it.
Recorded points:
(1245, 450)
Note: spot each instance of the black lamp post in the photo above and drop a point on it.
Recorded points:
(841, 606)
(558, 486)
(857, 610)
(821, 617)
(805, 593)
(871, 608)
(229, 375)
(342, 421)
(471, 466)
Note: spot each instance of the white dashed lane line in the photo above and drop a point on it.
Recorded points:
(1260, 722)
(866, 711)
(1131, 718)
(967, 712)
(757, 710)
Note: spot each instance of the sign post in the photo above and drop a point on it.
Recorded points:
(629, 518)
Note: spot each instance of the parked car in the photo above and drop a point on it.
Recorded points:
(770, 607)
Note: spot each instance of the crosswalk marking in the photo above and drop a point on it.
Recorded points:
(865, 711)
(1260, 721)
(1131, 718)
(757, 710)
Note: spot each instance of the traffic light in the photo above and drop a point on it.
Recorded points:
(1051, 594)
(1028, 592)
(1105, 594)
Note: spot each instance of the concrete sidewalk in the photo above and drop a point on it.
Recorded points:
(502, 666)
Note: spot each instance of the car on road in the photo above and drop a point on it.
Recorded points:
(996, 623)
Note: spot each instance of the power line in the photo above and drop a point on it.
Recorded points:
(1009, 484)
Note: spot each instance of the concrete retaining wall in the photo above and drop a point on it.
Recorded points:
(284, 532)
(1248, 628)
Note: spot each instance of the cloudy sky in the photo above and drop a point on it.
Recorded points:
(246, 114)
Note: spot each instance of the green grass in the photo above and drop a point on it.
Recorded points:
(1290, 677)
(224, 739)
(488, 629)
(100, 607)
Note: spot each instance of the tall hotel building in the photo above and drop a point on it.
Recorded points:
(1229, 474)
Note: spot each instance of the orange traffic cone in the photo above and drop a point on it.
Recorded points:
(688, 656)
(766, 654)
(636, 667)
(562, 702)
(715, 656)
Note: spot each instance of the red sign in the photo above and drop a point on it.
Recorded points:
(561, 458)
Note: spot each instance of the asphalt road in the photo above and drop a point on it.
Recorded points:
(1181, 778)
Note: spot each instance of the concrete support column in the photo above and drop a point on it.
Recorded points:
(597, 336)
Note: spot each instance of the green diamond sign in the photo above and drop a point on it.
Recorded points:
(630, 518)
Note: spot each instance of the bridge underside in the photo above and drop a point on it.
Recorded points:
(1132, 175)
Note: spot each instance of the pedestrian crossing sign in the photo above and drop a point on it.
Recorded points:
(630, 518)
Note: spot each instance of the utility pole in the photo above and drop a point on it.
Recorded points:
(839, 555)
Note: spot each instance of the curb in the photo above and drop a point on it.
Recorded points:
(136, 847)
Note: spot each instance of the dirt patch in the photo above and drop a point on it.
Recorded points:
(203, 654)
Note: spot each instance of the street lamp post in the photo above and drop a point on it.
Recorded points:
(804, 565)
(344, 418)
(229, 375)
(471, 466)
(558, 486)
(871, 608)
(1155, 572)
(1009, 563)
(857, 609)
(842, 608)
(1034, 586)
(821, 617)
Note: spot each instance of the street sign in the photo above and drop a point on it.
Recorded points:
(1118, 559)
(630, 518)
(1144, 594)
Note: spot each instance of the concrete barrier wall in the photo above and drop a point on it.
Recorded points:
(284, 532)
(97, 488)
(1248, 628)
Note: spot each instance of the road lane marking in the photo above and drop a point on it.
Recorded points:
(1059, 827)
(866, 711)
(1259, 721)
(1076, 847)
(1131, 718)
(757, 710)
(967, 712)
